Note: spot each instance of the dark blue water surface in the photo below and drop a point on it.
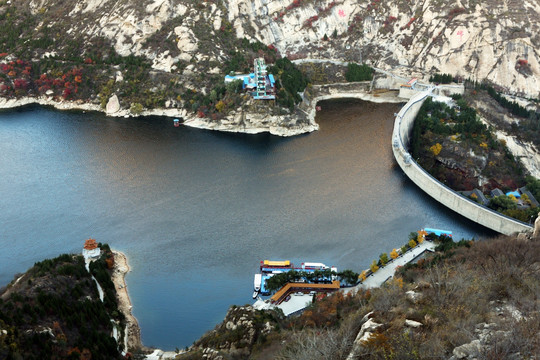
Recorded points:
(196, 210)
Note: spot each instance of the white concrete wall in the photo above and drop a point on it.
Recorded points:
(482, 215)
(450, 89)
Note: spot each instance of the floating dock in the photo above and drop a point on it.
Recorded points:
(269, 268)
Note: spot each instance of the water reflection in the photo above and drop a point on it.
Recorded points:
(197, 210)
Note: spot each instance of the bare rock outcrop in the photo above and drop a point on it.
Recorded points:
(477, 40)
(536, 231)
(113, 105)
(237, 334)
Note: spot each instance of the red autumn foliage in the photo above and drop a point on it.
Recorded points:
(20, 84)
(44, 88)
(389, 20)
(309, 22)
(408, 24)
(294, 4)
(66, 93)
(58, 83)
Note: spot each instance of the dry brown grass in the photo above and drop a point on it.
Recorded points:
(460, 292)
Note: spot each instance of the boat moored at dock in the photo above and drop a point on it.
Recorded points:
(268, 268)
(437, 232)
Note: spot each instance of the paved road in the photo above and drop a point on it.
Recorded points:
(384, 273)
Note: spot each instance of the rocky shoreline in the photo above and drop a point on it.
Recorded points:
(301, 121)
(132, 339)
(132, 331)
(258, 123)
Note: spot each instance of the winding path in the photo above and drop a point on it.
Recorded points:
(384, 273)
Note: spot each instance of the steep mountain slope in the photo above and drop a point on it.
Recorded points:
(469, 300)
(192, 38)
(476, 39)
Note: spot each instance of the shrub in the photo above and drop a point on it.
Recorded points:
(357, 72)
(436, 149)
(362, 276)
(374, 266)
(501, 203)
(383, 258)
(136, 108)
(441, 78)
(220, 106)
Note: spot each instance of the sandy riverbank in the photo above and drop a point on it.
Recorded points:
(133, 331)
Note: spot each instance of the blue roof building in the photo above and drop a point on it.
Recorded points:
(515, 193)
(260, 84)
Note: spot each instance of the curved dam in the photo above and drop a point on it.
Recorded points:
(403, 124)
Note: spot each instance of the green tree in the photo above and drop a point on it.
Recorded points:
(291, 79)
(501, 203)
(357, 72)
(348, 277)
(374, 267)
(383, 258)
(404, 249)
(533, 185)
(234, 86)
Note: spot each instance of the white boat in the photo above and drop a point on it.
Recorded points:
(257, 282)
(314, 266)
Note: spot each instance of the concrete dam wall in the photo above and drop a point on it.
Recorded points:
(464, 206)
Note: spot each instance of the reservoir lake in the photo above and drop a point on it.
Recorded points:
(196, 211)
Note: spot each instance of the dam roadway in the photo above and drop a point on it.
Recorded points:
(482, 215)
(403, 124)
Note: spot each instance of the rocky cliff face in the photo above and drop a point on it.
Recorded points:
(472, 38)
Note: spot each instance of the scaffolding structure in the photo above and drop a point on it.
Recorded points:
(260, 76)
(260, 73)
